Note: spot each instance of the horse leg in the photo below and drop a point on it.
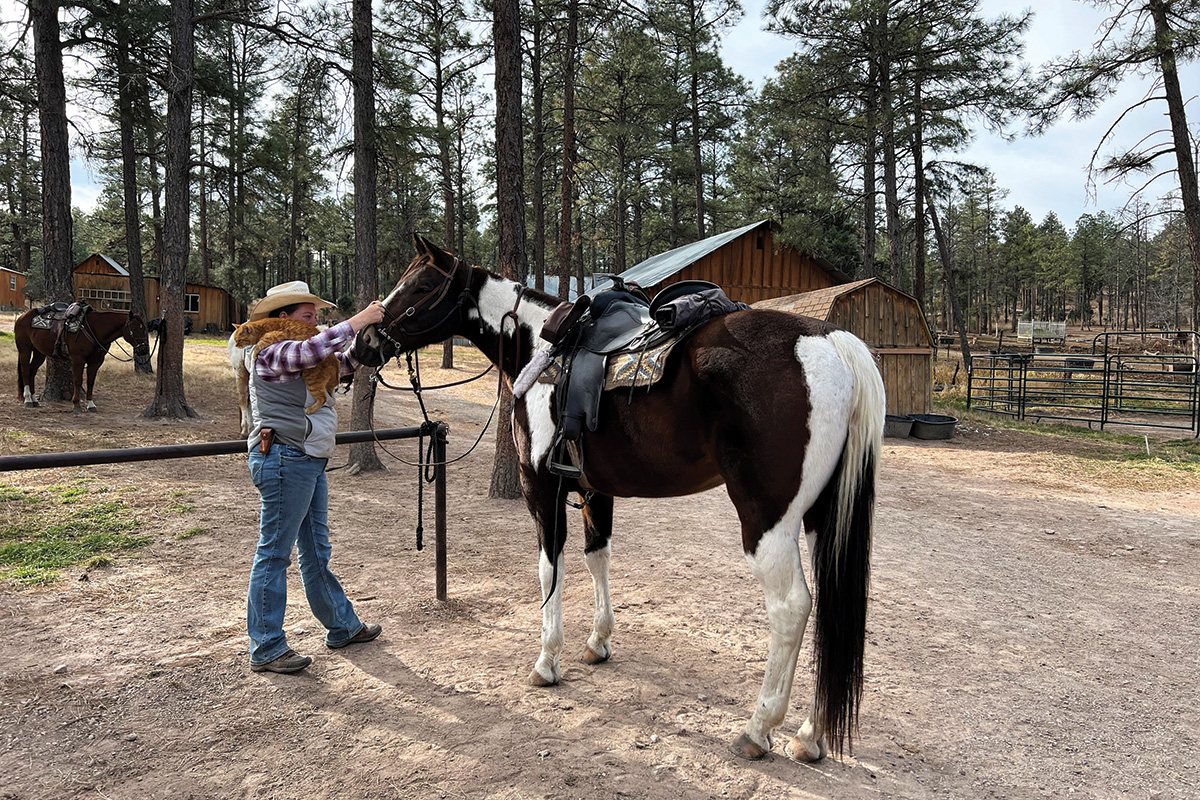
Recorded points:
(809, 742)
(92, 368)
(775, 561)
(546, 499)
(77, 374)
(597, 531)
(31, 371)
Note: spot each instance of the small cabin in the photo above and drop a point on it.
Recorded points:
(12, 289)
(104, 284)
(893, 326)
(746, 262)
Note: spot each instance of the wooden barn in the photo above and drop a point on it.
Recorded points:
(104, 284)
(892, 325)
(745, 262)
(12, 289)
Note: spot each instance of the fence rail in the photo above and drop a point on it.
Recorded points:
(437, 431)
(1106, 387)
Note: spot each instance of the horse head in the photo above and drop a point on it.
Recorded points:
(136, 334)
(426, 306)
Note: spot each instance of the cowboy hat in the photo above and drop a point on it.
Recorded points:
(285, 294)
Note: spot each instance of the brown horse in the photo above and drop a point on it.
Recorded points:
(86, 348)
(786, 411)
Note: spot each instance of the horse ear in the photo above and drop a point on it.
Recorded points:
(421, 246)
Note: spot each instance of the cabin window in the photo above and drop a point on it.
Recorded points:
(106, 299)
(191, 303)
(760, 242)
(12, 282)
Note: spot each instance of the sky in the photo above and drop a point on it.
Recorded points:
(1043, 174)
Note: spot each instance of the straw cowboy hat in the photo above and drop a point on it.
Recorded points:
(285, 294)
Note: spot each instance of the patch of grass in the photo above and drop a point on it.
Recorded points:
(11, 494)
(177, 493)
(180, 508)
(189, 533)
(36, 543)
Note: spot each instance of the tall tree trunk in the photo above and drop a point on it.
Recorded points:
(133, 217)
(960, 323)
(539, 151)
(869, 188)
(56, 178)
(1183, 152)
(918, 194)
(891, 192)
(568, 156)
(202, 197)
(169, 399)
(510, 212)
(156, 219)
(694, 100)
(363, 457)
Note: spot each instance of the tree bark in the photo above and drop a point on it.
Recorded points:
(363, 457)
(539, 151)
(56, 179)
(169, 400)
(133, 220)
(568, 156)
(510, 213)
(694, 100)
(918, 149)
(1183, 152)
(948, 269)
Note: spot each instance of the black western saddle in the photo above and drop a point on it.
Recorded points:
(621, 319)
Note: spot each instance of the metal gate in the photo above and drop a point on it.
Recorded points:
(1105, 387)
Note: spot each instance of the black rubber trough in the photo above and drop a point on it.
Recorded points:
(932, 426)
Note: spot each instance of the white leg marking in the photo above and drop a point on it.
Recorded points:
(602, 628)
(776, 564)
(91, 406)
(28, 395)
(548, 664)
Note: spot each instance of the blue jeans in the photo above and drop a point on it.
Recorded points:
(295, 513)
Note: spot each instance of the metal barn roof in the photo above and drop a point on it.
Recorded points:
(662, 266)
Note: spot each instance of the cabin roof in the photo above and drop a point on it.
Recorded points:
(658, 268)
(819, 302)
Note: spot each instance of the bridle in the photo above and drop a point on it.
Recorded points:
(395, 321)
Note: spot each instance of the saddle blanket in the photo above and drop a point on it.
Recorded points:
(637, 369)
(45, 323)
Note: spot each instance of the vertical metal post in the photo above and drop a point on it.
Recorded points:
(439, 506)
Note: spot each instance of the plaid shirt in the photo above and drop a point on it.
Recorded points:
(283, 361)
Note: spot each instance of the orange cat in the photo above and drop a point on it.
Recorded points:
(321, 380)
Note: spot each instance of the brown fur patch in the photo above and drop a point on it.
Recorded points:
(321, 380)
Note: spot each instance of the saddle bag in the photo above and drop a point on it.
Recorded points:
(690, 303)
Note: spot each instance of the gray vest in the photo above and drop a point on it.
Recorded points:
(280, 406)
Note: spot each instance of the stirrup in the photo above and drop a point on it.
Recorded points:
(559, 461)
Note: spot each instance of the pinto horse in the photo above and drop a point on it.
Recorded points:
(785, 410)
(86, 348)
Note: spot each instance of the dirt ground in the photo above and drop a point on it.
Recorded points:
(1033, 632)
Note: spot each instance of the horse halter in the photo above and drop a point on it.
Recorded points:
(433, 299)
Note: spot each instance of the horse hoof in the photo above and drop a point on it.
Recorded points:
(92, 410)
(537, 679)
(745, 747)
(590, 656)
(31, 404)
(798, 749)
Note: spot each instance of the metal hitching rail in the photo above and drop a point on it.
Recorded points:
(437, 431)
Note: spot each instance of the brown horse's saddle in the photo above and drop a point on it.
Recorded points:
(60, 318)
(617, 339)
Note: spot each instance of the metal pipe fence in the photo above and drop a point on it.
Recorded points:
(1105, 387)
(437, 431)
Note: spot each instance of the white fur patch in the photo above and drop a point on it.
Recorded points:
(830, 384)
(541, 426)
